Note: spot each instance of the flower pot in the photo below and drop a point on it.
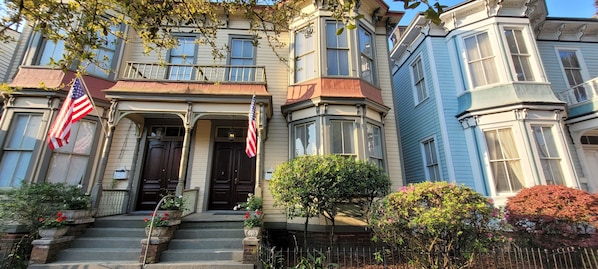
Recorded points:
(158, 231)
(52, 233)
(172, 214)
(77, 214)
(253, 231)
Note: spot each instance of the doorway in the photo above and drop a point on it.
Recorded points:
(233, 176)
(160, 172)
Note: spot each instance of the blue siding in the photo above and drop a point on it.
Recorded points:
(550, 60)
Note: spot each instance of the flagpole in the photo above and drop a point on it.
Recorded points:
(78, 74)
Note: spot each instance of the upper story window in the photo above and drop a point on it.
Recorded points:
(549, 155)
(431, 160)
(305, 54)
(573, 72)
(419, 81)
(305, 139)
(519, 54)
(242, 59)
(182, 56)
(505, 163)
(342, 137)
(18, 148)
(51, 51)
(480, 60)
(69, 163)
(104, 55)
(337, 50)
(366, 51)
(374, 145)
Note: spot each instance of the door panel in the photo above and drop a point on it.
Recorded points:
(160, 172)
(233, 176)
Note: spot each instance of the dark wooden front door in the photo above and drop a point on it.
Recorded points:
(160, 172)
(233, 176)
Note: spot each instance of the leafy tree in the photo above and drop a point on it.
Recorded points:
(552, 216)
(311, 185)
(443, 225)
(84, 25)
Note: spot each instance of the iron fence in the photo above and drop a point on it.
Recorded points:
(383, 258)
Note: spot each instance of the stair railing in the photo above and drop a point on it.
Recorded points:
(151, 227)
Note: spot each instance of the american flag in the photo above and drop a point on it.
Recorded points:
(76, 106)
(251, 148)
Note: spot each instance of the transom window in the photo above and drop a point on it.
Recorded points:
(374, 145)
(69, 163)
(549, 155)
(305, 139)
(519, 54)
(18, 148)
(182, 55)
(431, 160)
(366, 50)
(419, 81)
(337, 50)
(572, 69)
(504, 160)
(480, 60)
(305, 63)
(242, 58)
(342, 137)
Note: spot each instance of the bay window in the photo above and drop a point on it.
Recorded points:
(18, 148)
(374, 145)
(337, 50)
(305, 139)
(342, 137)
(520, 54)
(504, 159)
(69, 163)
(480, 60)
(549, 155)
(305, 54)
(366, 52)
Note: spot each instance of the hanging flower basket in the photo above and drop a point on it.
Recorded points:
(52, 233)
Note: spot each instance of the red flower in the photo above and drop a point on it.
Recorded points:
(165, 214)
(146, 219)
(246, 215)
(40, 219)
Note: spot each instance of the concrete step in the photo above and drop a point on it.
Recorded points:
(212, 225)
(115, 232)
(201, 255)
(107, 242)
(86, 255)
(178, 265)
(208, 243)
(208, 233)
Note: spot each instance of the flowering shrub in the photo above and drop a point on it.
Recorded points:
(57, 221)
(173, 202)
(441, 223)
(553, 216)
(74, 198)
(160, 220)
(253, 203)
(253, 219)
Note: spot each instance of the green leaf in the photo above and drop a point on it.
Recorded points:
(339, 31)
(414, 5)
(351, 26)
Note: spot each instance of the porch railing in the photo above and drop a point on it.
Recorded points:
(194, 73)
(113, 202)
(581, 93)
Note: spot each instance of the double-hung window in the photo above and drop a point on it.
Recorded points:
(520, 54)
(181, 59)
(305, 54)
(573, 72)
(69, 163)
(104, 55)
(374, 145)
(549, 155)
(242, 59)
(337, 50)
(342, 137)
(305, 139)
(431, 160)
(366, 51)
(504, 160)
(419, 81)
(51, 51)
(480, 60)
(18, 148)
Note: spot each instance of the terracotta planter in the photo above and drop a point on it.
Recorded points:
(253, 231)
(158, 231)
(52, 233)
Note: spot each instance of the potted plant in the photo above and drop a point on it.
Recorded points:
(253, 216)
(52, 227)
(158, 225)
(173, 205)
(76, 203)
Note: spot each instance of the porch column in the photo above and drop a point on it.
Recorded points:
(185, 154)
(96, 190)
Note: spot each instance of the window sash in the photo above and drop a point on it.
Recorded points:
(51, 50)
(242, 54)
(480, 60)
(366, 49)
(342, 137)
(337, 50)
(431, 160)
(305, 65)
(18, 149)
(572, 69)
(183, 54)
(305, 139)
(104, 55)
(519, 54)
(549, 155)
(504, 160)
(419, 80)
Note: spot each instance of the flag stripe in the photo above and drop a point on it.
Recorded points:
(76, 106)
(251, 147)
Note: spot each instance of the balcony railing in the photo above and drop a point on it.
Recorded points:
(195, 73)
(581, 93)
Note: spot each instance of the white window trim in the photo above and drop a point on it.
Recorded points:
(373, 69)
(532, 51)
(424, 161)
(563, 151)
(584, 68)
(324, 51)
(413, 85)
(315, 52)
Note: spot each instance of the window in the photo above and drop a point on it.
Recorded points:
(431, 160)
(374, 145)
(504, 160)
(480, 60)
(241, 55)
(104, 55)
(519, 54)
(337, 50)
(549, 155)
(51, 51)
(305, 139)
(18, 148)
(181, 57)
(572, 70)
(69, 163)
(342, 137)
(366, 50)
(419, 82)
(305, 63)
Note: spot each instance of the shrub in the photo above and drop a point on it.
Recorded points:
(442, 224)
(553, 216)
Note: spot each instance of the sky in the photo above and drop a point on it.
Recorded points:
(556, 8)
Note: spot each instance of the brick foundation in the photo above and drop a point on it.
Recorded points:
(45, 250)
(250, 250)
